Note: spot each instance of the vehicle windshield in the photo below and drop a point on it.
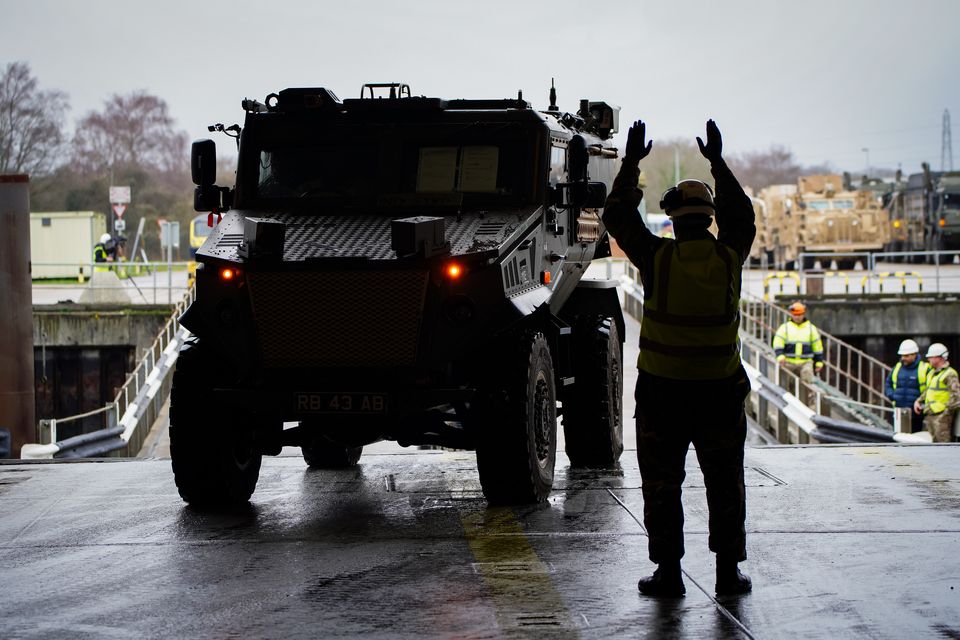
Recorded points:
(200, 228)
(951, 200)
(829, 204)
(383, 167)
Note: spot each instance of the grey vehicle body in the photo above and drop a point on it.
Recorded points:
(380, 262)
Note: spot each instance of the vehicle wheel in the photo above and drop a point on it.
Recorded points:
(517, 442)
(322, 453)
(593, 413)
(846, 264)
(215, 460)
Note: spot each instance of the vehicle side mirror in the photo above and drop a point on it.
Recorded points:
(203, 162)
(580, 195)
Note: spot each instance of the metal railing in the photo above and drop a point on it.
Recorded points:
(856, 376)
(137, 379)
(938, 280)
(143, 282)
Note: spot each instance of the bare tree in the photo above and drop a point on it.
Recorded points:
(31, 122)
(760, 169)
(671, 160)
(132, 130)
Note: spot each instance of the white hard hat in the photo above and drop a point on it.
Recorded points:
(907, 347)
(937, 349)
(689, 196)
(105, 237)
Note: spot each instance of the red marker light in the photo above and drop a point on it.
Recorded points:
(227, 274)
(454, 271)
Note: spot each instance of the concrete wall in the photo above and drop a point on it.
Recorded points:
(88, 326)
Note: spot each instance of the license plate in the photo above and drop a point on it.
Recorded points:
(337, 402)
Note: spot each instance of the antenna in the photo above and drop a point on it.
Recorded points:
(946, 146)
(553, 98)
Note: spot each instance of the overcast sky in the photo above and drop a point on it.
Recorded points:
(827, 79)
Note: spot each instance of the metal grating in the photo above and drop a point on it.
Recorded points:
(490, 228)
(368, 236)
(230, 240)
(338, 318)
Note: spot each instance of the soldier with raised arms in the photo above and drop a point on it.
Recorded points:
(691, 385)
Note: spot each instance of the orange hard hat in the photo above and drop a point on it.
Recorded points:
(797, 309)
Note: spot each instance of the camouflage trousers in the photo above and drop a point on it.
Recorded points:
(803, 370)
(940, 426)
(672, 414)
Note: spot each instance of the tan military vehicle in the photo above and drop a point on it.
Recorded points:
(777, 226)
(818, 215)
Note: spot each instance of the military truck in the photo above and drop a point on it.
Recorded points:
(777, 227)
(925, 212)
(406, 268)
(819, 215)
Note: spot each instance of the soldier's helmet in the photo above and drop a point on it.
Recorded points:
(689, 196)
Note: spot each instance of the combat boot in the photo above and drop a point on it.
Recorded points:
(730, 580)
(666, 582)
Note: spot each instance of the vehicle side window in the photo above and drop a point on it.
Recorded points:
(558, 165)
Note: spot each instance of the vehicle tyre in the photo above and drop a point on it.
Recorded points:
(214, 457)
(322, 453)
(593, 412)
(846, 264)
(517, 439)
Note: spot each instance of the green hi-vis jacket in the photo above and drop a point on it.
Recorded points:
(691, 318)
(691, 285)
(798, 342)
(941, 392)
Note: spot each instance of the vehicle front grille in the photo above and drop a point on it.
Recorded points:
(338, 318)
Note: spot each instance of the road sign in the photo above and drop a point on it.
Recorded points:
(119, 209)
(169, 235)
(119, 225)
(119, 195)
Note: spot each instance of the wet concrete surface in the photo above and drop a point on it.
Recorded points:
(844, 542)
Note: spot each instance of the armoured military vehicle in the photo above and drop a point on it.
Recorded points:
(404, 268)
(925, 212)
(820, 216)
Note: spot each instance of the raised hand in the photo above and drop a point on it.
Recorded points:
(714, 148)
(637, 148)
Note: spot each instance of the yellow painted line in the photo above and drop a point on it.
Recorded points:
(525, 599)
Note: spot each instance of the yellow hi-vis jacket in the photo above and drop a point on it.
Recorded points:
(692, 316)
(937, 396)
(798, 342)
(923, 374)
(100, 257)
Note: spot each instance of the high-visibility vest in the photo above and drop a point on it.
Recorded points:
(923, 373)
(938, 393)
(100, 257)
(691, 315)
(798, 342)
